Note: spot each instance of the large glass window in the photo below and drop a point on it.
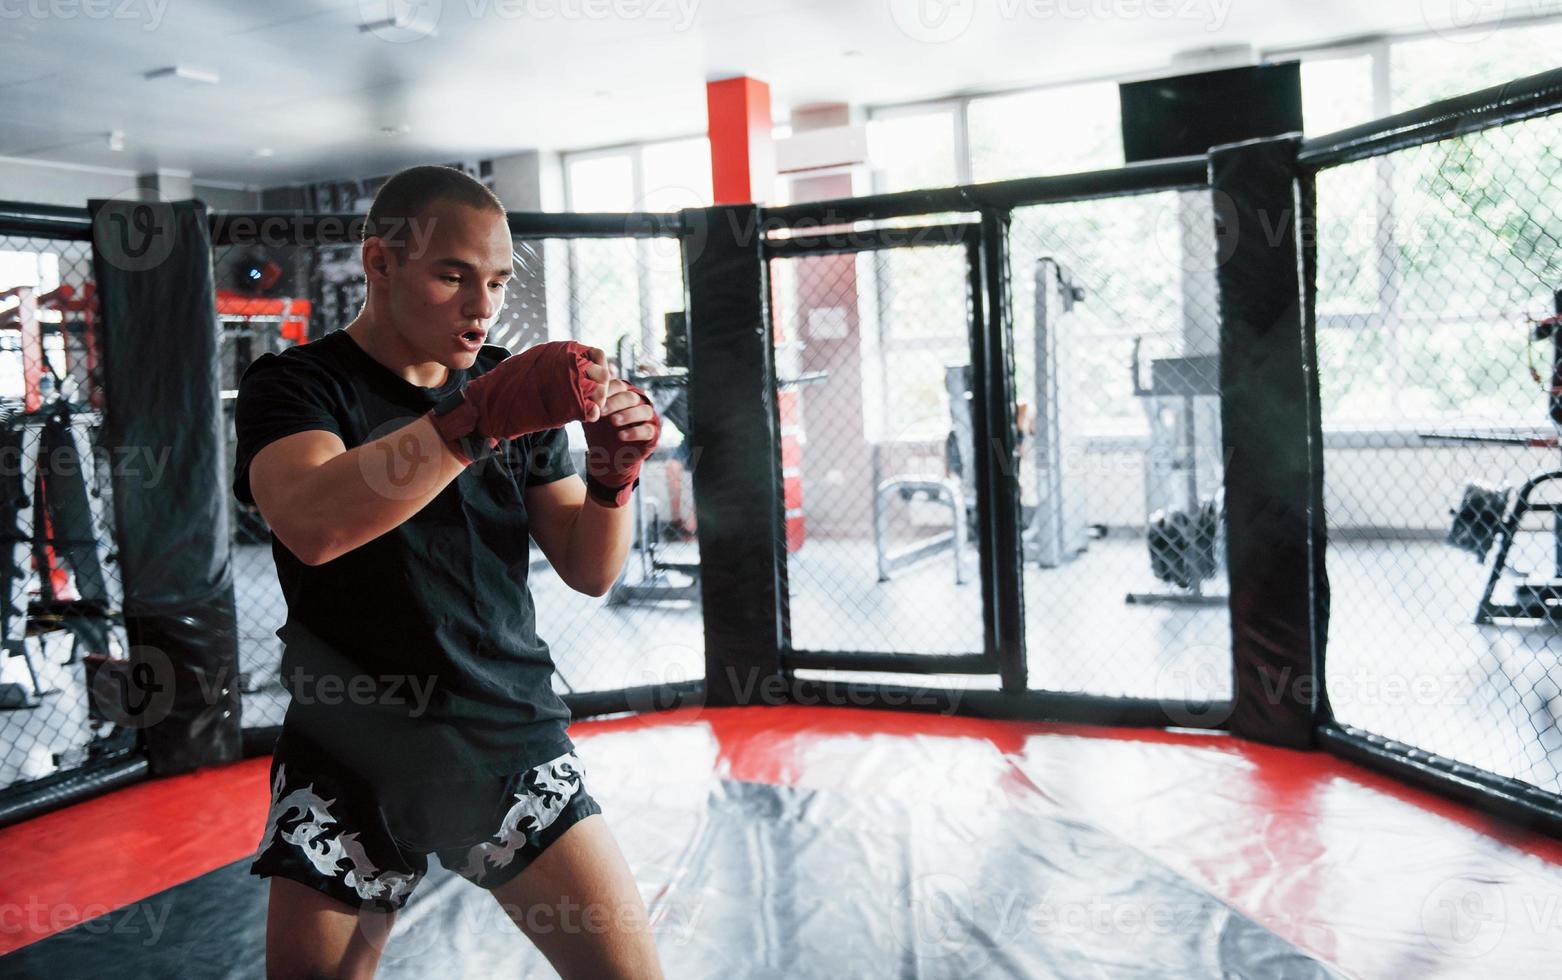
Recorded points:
(914, 149)
(1437, 67)
(624, 288)
(1337, 92)
(1049, 131)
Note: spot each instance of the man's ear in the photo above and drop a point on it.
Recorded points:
(378, 258)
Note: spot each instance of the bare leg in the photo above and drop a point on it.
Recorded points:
(578, 903)
(310, 935)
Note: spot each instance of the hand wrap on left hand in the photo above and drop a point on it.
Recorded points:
(613, 462)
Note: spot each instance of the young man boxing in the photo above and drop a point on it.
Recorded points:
(401, 464)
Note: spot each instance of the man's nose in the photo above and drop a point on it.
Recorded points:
(484, 305)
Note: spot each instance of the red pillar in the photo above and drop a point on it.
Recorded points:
(742, 155)
(743, 172)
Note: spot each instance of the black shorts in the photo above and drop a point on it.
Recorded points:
(369, 847)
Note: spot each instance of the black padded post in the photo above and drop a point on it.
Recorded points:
(1272, 430)
(735, 429)
(163, 419)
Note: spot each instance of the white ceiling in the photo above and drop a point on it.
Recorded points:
(501, 76)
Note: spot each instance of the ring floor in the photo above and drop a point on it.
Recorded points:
(828, 842)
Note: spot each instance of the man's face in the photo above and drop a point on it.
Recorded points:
(445, 286)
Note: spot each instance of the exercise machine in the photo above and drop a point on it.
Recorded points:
(1185, 533)
(1489, 515)
(1058, 527)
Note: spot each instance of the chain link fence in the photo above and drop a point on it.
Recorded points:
(619, 294)
(873, 363)
(60, 607)
(1437, 272)
(1116, 365)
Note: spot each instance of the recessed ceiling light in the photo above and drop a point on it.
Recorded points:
(186, 72)
(265, 151)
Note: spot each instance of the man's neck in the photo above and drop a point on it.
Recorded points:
(385, 346)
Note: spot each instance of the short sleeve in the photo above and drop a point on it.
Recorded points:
(278, 396)
(544, 457)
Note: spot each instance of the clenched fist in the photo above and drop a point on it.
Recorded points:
(618, 442)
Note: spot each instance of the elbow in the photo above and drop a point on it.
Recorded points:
(311, 549)
(595, 583)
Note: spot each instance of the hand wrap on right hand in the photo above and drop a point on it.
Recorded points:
(541, 388)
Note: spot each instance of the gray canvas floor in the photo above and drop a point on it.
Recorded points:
(1404, 660)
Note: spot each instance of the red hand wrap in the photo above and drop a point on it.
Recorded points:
(543, 387)
(613, 465)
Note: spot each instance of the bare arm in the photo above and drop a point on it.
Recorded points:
(323, 500)
(585, 542)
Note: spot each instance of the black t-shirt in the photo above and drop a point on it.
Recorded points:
(415, 656)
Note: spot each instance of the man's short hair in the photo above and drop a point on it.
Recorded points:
(409, 193)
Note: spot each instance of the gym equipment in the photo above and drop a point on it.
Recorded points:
(50, 518)
(957, 491)
(252, 326)
(1488, 515)
(1186, 531)
(1058, 529)
(658, 580)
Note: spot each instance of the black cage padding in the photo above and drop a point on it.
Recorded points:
(735, 432)
(1272, 435)
(152, 263)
